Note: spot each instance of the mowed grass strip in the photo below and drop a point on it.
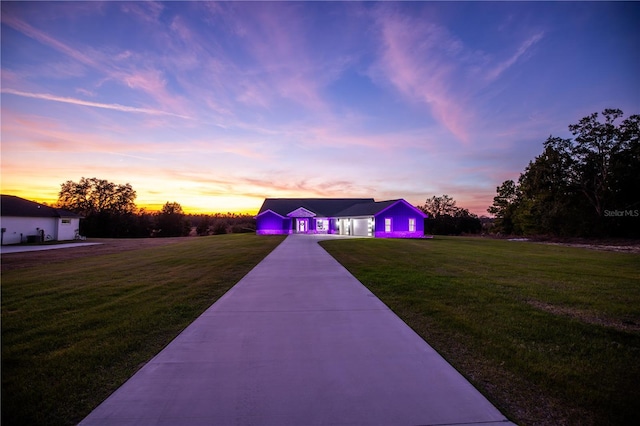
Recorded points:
(550, 334)
(72, 332)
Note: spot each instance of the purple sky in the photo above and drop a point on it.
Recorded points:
(219, 105)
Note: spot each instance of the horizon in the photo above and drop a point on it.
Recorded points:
(158, 208)
(217, 106)
(148, 209)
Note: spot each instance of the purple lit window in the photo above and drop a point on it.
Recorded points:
(387, 224)
(412, 224)
(322, 225)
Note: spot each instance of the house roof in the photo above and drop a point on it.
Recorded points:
(372, 209)
(366, 209)
(10, 205)
(324, 207)
(331, 207)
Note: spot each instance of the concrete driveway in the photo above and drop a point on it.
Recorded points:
(298, 341)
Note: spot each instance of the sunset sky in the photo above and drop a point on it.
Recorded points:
(219, 105)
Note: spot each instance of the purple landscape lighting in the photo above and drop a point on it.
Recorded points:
(271, 223)
(356, 217)
(399, 234)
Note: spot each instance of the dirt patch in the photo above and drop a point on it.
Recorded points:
(11, 261)
(585, 316)
(621, 245)
(630, 248)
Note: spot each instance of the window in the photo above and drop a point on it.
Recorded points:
(412, 225)
(322, 225)
(66, 221)
(387, 224)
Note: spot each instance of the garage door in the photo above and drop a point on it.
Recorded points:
(360, 227)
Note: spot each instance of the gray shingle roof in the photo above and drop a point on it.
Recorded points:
(10, 205)
(323, 207)
(366, 209)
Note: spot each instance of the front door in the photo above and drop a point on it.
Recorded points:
(303, 225)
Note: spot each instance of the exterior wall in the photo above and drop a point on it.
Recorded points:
(344, 226)
(400, 214)
(67, 231)
(18, 228)
(270, 223)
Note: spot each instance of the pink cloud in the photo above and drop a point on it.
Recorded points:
(296, 186)
(427, 64)
(10, 77)
(418, 59)
(284, 66)
(28, 30)
(25, 133)
(181, 28)
(150, 81)
(74, 101)
(86, 92)
(122, 56)
(147, 79)
(148, 11)
(338, 134)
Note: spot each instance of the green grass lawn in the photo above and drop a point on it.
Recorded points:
(550, 334)
(73, 331)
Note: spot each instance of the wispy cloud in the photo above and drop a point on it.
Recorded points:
(126, 71)
(28, 30)
(429, 64)
(277, 44)
(508, 63)
(85, 92)
(147, 11)
(278, 62)
(200, 100)
(74, 101)
(418, 57)
(34, 133)
(297, 186)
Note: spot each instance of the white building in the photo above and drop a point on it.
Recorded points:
(24, 221)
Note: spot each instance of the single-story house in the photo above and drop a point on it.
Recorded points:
(344, 216)
(26, 221)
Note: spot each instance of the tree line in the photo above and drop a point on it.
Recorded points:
(445, 218)
(109, 211)
(586, 186)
